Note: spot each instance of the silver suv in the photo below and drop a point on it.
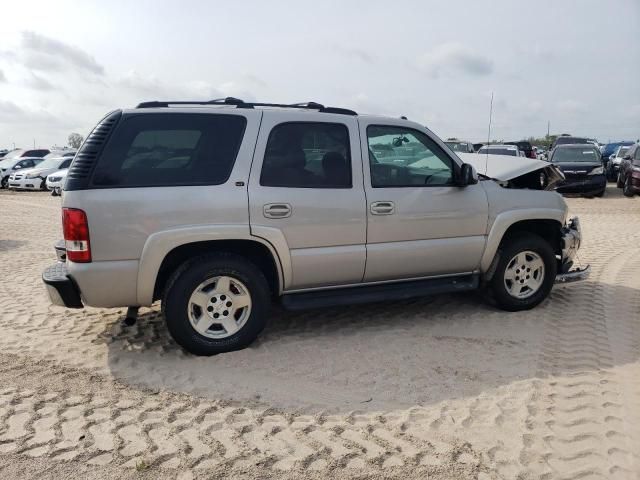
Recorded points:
(218, 208)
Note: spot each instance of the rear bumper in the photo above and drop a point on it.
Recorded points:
(61, 288)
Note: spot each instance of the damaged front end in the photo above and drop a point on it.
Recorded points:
(571, 236)
(516, 172)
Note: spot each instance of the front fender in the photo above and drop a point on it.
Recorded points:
(159, 244)
(505, 220)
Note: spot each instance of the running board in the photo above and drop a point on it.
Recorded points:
(379, 292)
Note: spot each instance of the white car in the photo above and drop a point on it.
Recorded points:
(510, 150)
(55, 181)
(15, 164)
(35, 178)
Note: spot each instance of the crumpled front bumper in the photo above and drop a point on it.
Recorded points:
(570, 243)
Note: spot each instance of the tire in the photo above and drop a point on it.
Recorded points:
(4, 183)
(619, 182)
(536, 246)
(182, 312)
(601, 194)
(627, 189)
(43, 185)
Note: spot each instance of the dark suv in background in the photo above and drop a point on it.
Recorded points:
(582, 168)
(524, 146)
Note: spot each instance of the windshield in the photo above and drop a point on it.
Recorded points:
(499, 151)
(563, 155)
(622, 151)
(610, 148)
(50, 162)
(14, 154)
(457, 146)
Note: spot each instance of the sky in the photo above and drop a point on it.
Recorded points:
(575, 64)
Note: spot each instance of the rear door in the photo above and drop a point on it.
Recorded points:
(306, 196)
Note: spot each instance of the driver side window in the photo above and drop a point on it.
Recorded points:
(403, 157)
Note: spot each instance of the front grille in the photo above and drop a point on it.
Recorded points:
(85, 159)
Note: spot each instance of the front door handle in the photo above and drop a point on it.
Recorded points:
(383, 208)
(277, 210)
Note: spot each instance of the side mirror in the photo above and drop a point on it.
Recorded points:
(468, 175)
(17, 167)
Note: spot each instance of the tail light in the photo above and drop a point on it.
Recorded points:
(76, 235)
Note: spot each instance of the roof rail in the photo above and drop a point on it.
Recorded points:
(238, 103)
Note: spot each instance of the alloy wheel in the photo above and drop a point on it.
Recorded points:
(219, 307)
(524, 274)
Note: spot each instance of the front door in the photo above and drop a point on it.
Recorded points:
(419, 223)
(306, 196)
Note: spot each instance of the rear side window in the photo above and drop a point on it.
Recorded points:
(65, 164)
(152, 150)
(307, 155)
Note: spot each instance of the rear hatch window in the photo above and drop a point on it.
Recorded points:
(158, 149)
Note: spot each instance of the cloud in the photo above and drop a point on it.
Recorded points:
(572, 107)
(354, 53)
(48, 54)
(11, 113)
(450, 58)
(38, 83)
(3, 78)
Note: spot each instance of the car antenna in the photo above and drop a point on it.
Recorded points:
(486, 159)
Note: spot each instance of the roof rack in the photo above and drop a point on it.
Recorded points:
(238, 103)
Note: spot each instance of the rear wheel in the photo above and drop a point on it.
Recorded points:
(525, 273)
(627, 189)
(216, 303)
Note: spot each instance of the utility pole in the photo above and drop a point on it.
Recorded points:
(34, 143)
(548, 127)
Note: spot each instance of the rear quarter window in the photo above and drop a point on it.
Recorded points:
(151, 150)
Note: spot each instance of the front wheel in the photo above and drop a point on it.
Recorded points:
(627, 189)
(4, 182)
(525, 273)
(216, 303)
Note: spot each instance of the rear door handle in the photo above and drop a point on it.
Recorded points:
(382, 208)
(277, 210)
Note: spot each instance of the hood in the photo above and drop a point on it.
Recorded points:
(25, 171)
(518, 172)
(35, 170)
(59, 173)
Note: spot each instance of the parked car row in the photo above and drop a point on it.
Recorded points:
(585, 164)
(31, 169)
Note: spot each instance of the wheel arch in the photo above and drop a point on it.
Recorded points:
(547, 225)
(165, 251)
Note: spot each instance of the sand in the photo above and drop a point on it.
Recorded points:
(442, 388)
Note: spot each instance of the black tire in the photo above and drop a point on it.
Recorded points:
(4, 183)
(627, 189)
(43, 185)
(601, 194)
(509, 249)
(619, 182)
(191, 274)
